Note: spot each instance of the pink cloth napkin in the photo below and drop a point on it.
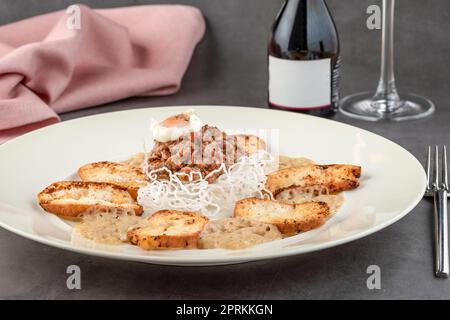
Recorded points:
(47, 68)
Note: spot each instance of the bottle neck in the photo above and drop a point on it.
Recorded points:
(306, 4)
(298, 13)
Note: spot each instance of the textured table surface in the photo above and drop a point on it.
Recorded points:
(229, 68)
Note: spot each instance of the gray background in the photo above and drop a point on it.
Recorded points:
(229, 67)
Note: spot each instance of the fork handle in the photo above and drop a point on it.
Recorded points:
(441, 234)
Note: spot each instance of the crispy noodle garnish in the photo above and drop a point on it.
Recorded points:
(246, 178)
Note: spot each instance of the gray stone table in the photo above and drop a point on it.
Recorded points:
(229, 68)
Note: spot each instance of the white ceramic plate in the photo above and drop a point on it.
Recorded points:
(35, 160)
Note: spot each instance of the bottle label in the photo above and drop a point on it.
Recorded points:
(300, 84)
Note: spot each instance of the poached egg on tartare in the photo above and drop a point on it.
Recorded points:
(175, 126)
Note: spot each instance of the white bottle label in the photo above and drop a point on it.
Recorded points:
(299, 84)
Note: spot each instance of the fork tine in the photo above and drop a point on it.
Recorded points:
(444, 166)
(436, 167)
(428, 168)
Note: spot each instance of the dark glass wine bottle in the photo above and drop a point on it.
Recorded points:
(304, 59)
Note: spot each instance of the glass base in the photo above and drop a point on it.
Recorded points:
(362, 106)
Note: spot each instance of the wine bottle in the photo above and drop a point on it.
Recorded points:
(304, 59)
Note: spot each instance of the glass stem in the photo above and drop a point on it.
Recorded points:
(387, 98)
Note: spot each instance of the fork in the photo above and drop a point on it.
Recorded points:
(438, 187)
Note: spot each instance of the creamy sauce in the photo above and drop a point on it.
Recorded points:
(237, 233)
(106, 228)
(288, 162)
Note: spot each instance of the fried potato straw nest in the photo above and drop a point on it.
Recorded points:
(192, 192)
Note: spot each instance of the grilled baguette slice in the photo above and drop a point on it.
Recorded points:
(250, 143)
(72, 199)
(135, 161)
(334, 178)
(168, 229)
(290, 219)
(118, 173)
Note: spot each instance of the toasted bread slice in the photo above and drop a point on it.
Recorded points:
(168, 229)
(72, 199)
(289, 218)
(250, 144)
(118, 173)
(334, 178)
(299, 195)
(136, 161)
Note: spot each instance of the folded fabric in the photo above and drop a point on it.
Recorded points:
(51, 63)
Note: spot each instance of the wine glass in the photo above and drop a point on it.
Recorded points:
(386, 103)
